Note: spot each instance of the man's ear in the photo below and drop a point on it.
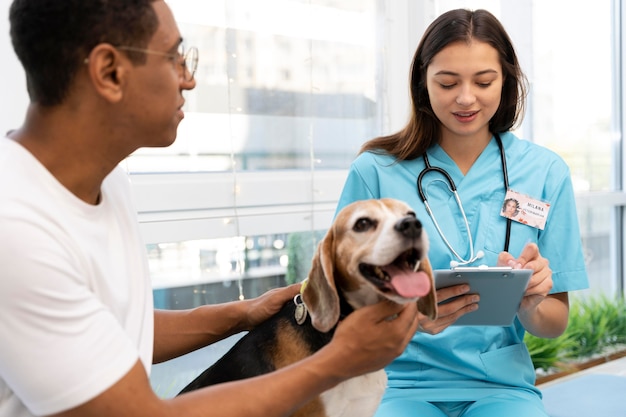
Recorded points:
(107, 68)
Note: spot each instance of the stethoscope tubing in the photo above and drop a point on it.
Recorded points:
(429, 168)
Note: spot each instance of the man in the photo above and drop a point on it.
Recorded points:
(78, 329)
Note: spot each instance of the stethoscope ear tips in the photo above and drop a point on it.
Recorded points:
(480, 254)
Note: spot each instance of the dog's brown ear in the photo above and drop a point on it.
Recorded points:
(427, 304)
(320, 293)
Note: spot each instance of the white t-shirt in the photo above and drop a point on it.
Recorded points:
(76, 306)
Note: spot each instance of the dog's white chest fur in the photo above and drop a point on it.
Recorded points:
(356, 397)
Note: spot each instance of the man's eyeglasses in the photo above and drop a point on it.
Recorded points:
(187, 59)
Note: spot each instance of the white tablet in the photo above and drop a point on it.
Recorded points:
(501, 290)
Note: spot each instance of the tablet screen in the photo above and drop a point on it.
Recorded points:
(500, 289)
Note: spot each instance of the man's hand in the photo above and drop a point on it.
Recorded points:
(372, 336)
(266, 305)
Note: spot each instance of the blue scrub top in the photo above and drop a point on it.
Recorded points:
(465, 362)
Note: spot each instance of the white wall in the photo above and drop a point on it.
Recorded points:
(13, 96)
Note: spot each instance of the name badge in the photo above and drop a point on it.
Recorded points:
(525, 209)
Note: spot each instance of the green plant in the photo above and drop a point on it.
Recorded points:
(301, 246)
(547, 354)
(618, 324)
(596, 323)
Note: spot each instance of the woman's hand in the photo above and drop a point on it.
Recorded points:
(540, 282)
(541, 313)
(453, 302)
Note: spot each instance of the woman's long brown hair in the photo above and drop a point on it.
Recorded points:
(423, 128)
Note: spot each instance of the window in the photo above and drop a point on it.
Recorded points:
(283, 103)
(579, 74)
(280, 110)
(275, 92)
(282, 107)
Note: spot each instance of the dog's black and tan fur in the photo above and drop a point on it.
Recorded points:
(351, 268)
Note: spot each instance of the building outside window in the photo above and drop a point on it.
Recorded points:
(283, 102)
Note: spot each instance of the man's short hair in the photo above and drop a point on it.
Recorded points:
(52, 38)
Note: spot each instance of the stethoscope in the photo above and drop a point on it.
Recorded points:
(452, 187)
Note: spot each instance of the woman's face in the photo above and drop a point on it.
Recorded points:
(464, 83)
(510, 207)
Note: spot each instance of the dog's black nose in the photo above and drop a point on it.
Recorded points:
(409, 227)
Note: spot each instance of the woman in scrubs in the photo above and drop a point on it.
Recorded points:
(468, 92)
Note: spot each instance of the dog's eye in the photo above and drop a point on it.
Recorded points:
(364, 224)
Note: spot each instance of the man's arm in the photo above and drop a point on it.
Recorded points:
(177, 332)
(365, 341)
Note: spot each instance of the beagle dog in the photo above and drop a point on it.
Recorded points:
(374, 250)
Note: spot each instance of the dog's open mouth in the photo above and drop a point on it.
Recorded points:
(402, 276)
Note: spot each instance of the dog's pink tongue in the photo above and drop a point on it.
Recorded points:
(407, 283)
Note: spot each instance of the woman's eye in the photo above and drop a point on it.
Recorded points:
(447, 86)
(484, 85)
